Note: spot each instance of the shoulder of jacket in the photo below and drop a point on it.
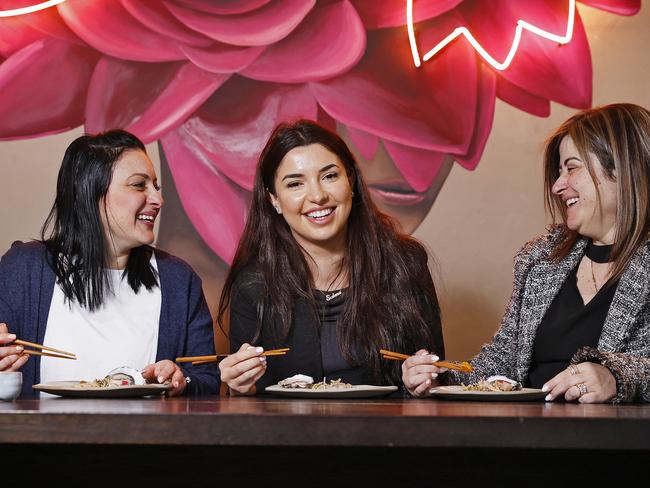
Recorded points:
(22, 252)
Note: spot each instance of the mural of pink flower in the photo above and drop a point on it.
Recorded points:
(209, 79)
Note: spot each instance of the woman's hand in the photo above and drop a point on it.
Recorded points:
(598, 384)
(163, 371)
(419, 373)
(241, 370)
(11, 358)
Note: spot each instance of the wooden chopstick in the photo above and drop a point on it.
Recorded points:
(216, 357)
(465, 367)
(40, 353)
(44, 348)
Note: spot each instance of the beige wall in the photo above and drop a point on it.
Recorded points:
(480, 218)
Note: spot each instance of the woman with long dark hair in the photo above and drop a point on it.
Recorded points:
(94, 285)
(578, 322)
(321, 270)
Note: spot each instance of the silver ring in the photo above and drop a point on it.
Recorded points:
(573, 369)
(582, 388)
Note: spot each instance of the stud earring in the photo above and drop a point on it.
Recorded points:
(277, 209)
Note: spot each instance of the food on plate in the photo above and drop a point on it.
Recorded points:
(332, 385)
(297, 381)
(122, 376)
(494, 383)
(307, 382)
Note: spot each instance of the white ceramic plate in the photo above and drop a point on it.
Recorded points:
(72, 389)
(457, 393)
(356, 391)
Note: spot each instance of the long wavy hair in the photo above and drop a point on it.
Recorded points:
(617, 137)
(389, 280)
(73, 232)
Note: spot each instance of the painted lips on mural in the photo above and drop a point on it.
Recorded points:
(210, 79)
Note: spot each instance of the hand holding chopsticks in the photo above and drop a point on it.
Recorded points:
(13, 354)
(241, 370)
(463, 367)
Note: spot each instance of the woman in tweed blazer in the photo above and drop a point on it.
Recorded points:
(597, 172)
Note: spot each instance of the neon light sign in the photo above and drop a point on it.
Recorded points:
(28, 10)
(463, 31)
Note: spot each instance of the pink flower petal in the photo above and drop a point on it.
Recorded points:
(419, 167)
(222, 58)
(432, 107)
(561, 73)
(620, 7)
(148, 100)
(392, 13)
(521, 99)
(43, 88)
(109, 28)
(260, 27)
(366, 143)
(232, 134)
(484, 118)
(327, 43)
(160, 20)
(216, 206)
(223, 7)
(15, 35)
(49, 23)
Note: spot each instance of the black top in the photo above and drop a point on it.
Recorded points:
(312, 336)
(330, 307)
(569, 324)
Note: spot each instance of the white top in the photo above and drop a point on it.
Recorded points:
(123, 332)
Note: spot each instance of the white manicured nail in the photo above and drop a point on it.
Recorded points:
(548, 398)
(259, 349)
(545, 388)
(434, 358)
(434, 375)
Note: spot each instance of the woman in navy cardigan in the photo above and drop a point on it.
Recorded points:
(96, 286)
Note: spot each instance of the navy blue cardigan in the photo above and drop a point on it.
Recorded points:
(185, 328)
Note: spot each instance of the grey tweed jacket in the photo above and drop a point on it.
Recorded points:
(624, 344)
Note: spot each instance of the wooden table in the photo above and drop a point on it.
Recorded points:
(400, 439)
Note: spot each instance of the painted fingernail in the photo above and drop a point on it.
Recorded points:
(427, 382)
(160, 379)
(548, 398)
(12, 336)
(545, 388)
(263, 359)
(432, 390)
(434, 358)
(259, 349)
(19, 348)
(434, 375)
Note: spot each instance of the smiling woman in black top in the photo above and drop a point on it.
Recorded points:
(578, 322)
(321, 270)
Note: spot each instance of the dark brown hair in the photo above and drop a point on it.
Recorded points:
(617, 137)
(390, 283)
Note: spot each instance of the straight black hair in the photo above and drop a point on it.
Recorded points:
(77, 241)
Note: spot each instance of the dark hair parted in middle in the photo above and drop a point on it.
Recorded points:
(389, 281)
(77, 243)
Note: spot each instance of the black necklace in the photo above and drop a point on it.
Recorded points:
(598, 254)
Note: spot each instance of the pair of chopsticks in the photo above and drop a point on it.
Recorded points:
(218, 357)
(54, 353)
(464, 367)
